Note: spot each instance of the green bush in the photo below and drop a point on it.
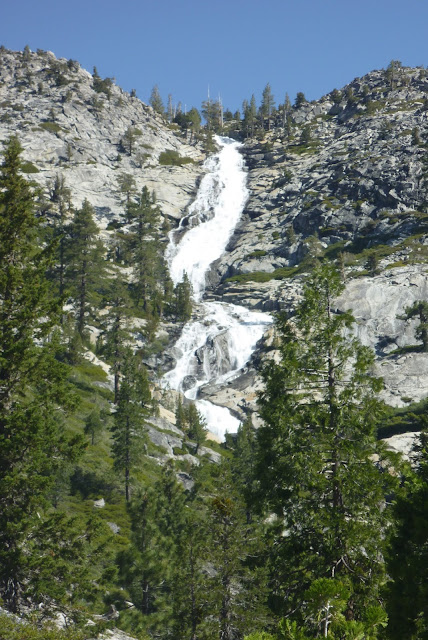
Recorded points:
(172, 158)
(12, 629)
(257, 254)
(52, 127)
(29, 167)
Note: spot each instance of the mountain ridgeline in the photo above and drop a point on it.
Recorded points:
(118, 508)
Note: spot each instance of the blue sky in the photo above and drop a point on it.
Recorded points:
(233, 46)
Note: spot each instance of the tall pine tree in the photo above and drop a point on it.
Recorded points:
(33, 392)
(316, 454)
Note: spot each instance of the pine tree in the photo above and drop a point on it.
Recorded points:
(189, 580)
(407, 557)
(316, 453)
(129, 425)
(182, 300)
(94, 424)
(236, 590)
(145, 254)
(61, 197)
(419, 309)
(148, 567)
(196, 426)
(244, 464)
(85, 264)
(33, 391)
(250, 116)
(155, 101)
(117, 331)
(268, 104)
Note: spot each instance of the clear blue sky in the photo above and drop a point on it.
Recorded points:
(234, 46)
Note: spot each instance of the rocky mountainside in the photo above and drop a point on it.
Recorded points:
(92, 132)
(344, 178)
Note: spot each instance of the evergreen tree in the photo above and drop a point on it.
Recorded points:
(129, 139)
(128, 188)
(129, 426)
(419, 309)
(33, 391)
(94, 424)
(196, 425)
(148, 568)
(189, 581)
(236, 591)
(212, 111)
(316, 454)
(61, 197)
(116, 334)
(407, 558)
(145, 254)
(250, 116)
(180, 415)
(85, 263)
(244, 464)
(300, 99)
(155, 101)
(268, 104)
(182, 300)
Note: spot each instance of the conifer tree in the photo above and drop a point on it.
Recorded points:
(85, 262)
(316, 453)
(407, 558)
(268, 104)
(33, 445)
(236, 589)
(419, 309)
(182, 300)
(155, 101)
(196, 426)
(144, 252)
(61, 197)
(117, 332)
(129, 425)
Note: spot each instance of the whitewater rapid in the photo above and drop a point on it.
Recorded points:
(219, 342)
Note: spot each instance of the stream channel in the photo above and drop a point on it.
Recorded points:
(219, 340)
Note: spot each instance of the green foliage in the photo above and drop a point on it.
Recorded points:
(268, 104)
(129, 425)
(419, 309)
(85, 262)
(155, 101)
(317, 447)
(171, 157)
(52, 127)
(129, 139)
(300, 100)
(101, 86)
(12, 629)
(407, 558)
(29, 167)
(34, 395)
(181, 304)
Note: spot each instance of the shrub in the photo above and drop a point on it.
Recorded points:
(52, 127)
(29, 167)
(172, 158)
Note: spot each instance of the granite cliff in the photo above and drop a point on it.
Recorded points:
(344, 177)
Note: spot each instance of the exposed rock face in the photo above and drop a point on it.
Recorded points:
(67, 127)
(350, 174)
(362, 177)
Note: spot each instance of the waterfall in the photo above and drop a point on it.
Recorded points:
(218, 344)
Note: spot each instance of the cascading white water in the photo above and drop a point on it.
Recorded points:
(213, 349)
(216, 210)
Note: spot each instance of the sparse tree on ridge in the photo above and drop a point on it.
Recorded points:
(156, 101)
